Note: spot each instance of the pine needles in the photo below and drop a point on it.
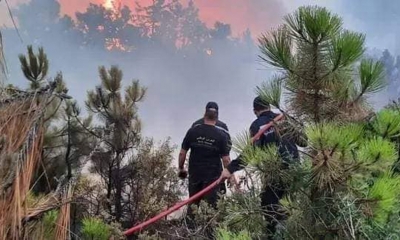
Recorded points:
(22, 134)
(344, 185)
(385, 192)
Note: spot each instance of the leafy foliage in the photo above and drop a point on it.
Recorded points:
(242, 212)
(95, 229)
(386, 192)
(318, 76)
(223, 234)
(35, 67)
(345, 187)
(387, 123)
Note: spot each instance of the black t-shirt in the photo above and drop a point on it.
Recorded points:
(220, 125)
(207, 145)
(287, 149)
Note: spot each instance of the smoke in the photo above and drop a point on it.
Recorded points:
(180, 82)
(257, 15)
(378, 19)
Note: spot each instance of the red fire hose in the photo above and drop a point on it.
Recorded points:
(197, 195)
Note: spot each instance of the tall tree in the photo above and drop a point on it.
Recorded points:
(35, 67)
(117, 111)
(337, 190)
(318, 75)
(108, 28)
(193, 32)
(160, 21)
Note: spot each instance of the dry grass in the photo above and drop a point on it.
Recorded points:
(21, 129)
(63, 221)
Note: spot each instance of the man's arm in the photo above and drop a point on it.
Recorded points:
(224, 128)
(238, 163)
(182, 154)
(225, 150)
(226, 160)
(254, 128)
(182, 159)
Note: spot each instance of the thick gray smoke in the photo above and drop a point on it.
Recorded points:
(379, 20)
(180, 81)
(221, 68)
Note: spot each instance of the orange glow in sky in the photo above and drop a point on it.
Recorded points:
(108, 4)
(257, 15)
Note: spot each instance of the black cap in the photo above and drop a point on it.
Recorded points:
(212, 106)
(258, 103)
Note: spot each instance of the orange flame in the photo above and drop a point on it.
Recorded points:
(116, 44)
(109, 4)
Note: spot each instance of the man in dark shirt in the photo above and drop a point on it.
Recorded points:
(220, 125)
(288, 152)
(207, 145)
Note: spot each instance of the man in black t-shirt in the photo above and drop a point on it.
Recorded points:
(207, 145)
(221, 126)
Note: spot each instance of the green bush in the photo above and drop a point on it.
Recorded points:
(95, 229)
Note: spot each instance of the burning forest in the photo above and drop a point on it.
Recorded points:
(98, 138)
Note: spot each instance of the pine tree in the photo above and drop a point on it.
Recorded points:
(316, 59)
(35, 67)
(120, 131)
(345, 185)
(138, 176)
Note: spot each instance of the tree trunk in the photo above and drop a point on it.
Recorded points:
(118, 192)
(68, 152)
(109, 187)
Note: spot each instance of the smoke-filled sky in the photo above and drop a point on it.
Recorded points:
(377, 19)
(257, 15)
(177, 96)
(253, 14)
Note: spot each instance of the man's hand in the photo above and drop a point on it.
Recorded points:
(231, 181)
(182, 173)
(225, 174)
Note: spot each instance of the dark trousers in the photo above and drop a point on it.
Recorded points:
(211, 198)
(270, 203)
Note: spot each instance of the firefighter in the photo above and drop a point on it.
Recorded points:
(221, 126)
(288, 152)
(207, 145)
